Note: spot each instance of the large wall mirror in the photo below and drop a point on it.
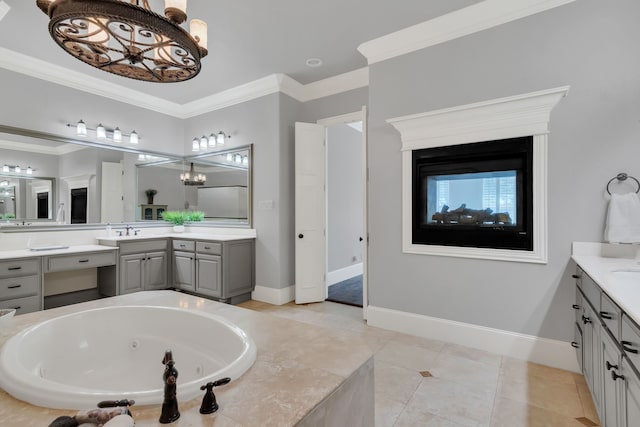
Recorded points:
(92, 182)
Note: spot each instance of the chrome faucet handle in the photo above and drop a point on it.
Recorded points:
(119, 233)
(135, 232)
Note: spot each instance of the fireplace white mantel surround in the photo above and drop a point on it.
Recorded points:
(511, 117)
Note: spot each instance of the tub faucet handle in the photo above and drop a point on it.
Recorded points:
(209, 403)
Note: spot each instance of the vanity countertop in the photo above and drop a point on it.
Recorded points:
(617, 277)
(298, 366)
(55, 250)
(191, 236)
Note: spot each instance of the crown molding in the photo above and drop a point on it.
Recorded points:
(472, 19)
(337, 84)
(236, 95)
(30, 66)
(4, 9)
(33, 67)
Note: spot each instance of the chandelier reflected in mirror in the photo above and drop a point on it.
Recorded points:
(193, 178)
(128, 38)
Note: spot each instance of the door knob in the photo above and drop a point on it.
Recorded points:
(361, 239)
(300, 236)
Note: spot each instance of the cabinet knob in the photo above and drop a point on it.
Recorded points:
(606, 315)
(575, 344)
(625, 347)
(14, 268)
(585, 320)
(615, 376)
(14, 286)
(576, 307)
(300, 236)
(610, 366)
(575, 276)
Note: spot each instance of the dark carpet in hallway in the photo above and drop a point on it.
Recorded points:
(347, 292)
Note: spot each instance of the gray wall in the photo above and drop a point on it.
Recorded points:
(344, 197)
(258, 122)
(589, 45)
(48, 107)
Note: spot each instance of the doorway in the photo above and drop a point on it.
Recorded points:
(311, 267)
(345, 207)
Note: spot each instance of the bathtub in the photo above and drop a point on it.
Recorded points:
(76, 360)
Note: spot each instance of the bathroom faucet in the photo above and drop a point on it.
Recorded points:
(170, 411)
(128, 228)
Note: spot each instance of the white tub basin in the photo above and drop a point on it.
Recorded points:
(77, 360)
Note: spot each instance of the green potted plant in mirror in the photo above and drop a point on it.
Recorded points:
(150, 193)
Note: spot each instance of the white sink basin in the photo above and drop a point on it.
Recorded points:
(627, 274)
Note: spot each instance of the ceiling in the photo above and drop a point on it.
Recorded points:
(248, 39)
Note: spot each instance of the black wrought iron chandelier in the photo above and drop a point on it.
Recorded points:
(193, 178)
(129, 39)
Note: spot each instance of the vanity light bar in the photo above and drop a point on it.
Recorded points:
(102, 132)
(212, 141)
(16, 169)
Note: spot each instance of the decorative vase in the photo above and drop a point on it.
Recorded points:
(178, 228)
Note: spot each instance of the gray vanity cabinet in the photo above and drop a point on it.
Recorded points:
(608, 354)
(143, 265)
(224, 270)
(20, 285)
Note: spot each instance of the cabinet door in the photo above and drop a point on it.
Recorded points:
(591, 354)
(630, 406)
(131, 273)
(577, 344)
(155, 270)
(611, 385)
(209, 269)
(184, 270)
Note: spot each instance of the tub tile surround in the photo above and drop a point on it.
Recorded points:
(300, 370)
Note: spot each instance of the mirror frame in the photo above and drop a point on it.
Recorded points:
(10, 130)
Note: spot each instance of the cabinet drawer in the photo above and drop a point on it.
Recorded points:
(591, 291)
(19, 287)
(23, 267)
(631, 341)
(184, 245)
(144, 246)
(209, 248)
(79, 261)
(23, 305)
(610, 315)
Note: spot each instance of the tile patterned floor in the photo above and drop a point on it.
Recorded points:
(421, 382)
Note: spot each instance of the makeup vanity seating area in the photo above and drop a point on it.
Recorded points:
(48, 269)
(607, 328)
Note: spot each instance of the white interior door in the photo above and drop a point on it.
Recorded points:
(310, 208)
(112, 204)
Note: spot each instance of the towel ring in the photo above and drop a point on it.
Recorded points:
(622, 177)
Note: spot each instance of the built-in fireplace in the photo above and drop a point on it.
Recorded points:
(476, 195)
(474, 178)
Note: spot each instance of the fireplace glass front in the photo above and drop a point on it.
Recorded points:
(474, 195)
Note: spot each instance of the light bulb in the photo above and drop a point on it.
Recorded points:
(195, 145)
(17, 169)
(117, 135)
(198, 29)
(212, 140)
(133, 138)
(81, 129)
(245, 160)
(29, 170)
(229, 157)
(5, 168)
(204, 142)
(237, 158)
(101, 132)
(220, 138)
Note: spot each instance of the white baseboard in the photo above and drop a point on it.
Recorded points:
(274, 296)
(337, 276)
(557, 354)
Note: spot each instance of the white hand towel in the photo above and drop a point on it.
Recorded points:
(623, 219)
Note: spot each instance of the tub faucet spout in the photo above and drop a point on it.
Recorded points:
(170, 412)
